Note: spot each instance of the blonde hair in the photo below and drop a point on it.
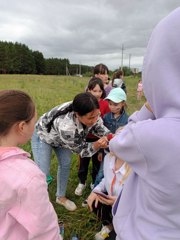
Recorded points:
(128, 171)
(126, 166)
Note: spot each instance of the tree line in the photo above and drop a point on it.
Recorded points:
(17, 58)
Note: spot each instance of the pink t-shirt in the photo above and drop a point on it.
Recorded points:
(26, 211)
(140, 87)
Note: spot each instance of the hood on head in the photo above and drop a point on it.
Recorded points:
(161, 67)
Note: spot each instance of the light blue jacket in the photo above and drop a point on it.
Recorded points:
(113, 123)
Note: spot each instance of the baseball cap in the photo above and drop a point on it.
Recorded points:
(116, 95)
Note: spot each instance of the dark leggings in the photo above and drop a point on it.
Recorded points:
(84, 165)
(103, 212)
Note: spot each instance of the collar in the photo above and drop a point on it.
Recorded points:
(112, 160)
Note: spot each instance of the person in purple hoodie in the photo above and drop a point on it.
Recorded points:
(149, 206)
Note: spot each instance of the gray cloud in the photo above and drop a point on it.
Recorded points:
(86, 32)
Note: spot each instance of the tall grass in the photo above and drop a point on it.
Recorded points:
(47, 92)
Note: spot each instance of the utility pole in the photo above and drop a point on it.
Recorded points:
(80, 69)
(67, 70)
(122, 49)
(129, 61)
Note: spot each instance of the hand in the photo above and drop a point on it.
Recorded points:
(92, 197)
(108, 201)
(101, 143)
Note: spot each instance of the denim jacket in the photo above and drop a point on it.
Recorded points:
(113, 123)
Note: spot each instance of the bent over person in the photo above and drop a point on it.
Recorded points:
(64, 129)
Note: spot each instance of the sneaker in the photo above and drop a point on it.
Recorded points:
(68, 204)
(49, 179)
(79, 189)
(92, 186)
(74, 237)
(84, 204)
(103, 234)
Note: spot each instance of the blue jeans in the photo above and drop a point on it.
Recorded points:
(42, 156)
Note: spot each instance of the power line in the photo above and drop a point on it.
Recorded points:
(122, 49)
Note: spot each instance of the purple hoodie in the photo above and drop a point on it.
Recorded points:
(149, 207)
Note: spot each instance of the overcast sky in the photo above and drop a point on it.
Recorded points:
(84, 31)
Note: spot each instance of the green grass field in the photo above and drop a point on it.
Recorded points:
(47, 92)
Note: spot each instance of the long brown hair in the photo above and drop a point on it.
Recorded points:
(96, 81)
(15, 106)
(118, 74)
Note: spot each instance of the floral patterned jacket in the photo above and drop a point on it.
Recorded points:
(68, 132)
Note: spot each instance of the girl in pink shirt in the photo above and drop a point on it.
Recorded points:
(139, 90)
(26, 212)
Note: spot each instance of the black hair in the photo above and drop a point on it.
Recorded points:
(101, 69)
(83, 103)
(96, 81)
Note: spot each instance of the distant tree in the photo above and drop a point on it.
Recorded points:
(18, 58)
(51, 68)
(26, 59)
(39, 62)
(56, 66)
(11, 66)
(80, 69)
(3, 57)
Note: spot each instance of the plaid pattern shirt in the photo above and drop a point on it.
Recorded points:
(68, 132)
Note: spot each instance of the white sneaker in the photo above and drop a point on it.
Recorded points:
(84, 203)
(103, 234)
(79, 189)
(68, 204)
(91, 186)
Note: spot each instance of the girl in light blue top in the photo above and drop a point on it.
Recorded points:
(117, 117)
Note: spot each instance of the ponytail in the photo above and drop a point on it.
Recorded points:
(59, 113)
